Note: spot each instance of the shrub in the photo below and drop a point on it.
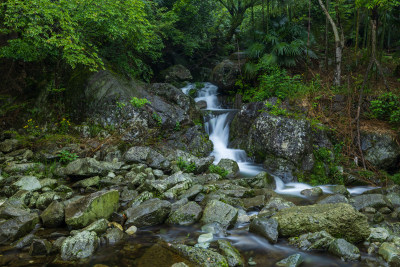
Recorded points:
(186, 166)
(218, 170)
(66, 156)
(139, 102)
(387, 107)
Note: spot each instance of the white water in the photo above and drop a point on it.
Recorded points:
(217, 127)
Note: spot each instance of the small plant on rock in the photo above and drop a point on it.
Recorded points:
(66, 156)
(139, 102)
(218, 170)
(186, 166)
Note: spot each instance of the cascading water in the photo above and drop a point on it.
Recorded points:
(217, 127)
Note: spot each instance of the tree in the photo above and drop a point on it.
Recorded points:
(237, 10)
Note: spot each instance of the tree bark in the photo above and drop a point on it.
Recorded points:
(338, 46)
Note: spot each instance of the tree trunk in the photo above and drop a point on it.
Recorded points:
(326, 37)
(338, 46)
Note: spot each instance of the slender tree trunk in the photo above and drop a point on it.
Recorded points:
(326, 36)
(309, 29)
(357, 30)
(338, 46)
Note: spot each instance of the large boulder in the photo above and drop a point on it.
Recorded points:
(15, 228)
(230, 166)
(222, 213)
(199, 256)
(151, 212)
(381, 150)
(79, 246)
(89, 167)
(339, 220)
(344, 250)
(146, 155)
(267, 228)
(82, 212)
(29, 183)
(53, 215)
(369, 200)
(224, 75)
(177, 73)
(186, 215)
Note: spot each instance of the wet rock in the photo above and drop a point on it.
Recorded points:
(10, 210)
(24, 167)
(224, 75)
(231, 166)
(114, 235)
(63, 189)
(393, 199)
(333, 199)
(201, 104)
(378, 234)
(312, 192)
(177, 178)
(24, 241)
(200, 256)
(87, 167)
(205, 238)
(191, 192)
(8, 145)
(53, 215)
(48, 182)
(231, 254)
(131, 230)
(254, 202)
(140, 199)
(186, 215)
(214, 228)
(80, 246)
(176, 73)
(13, 229)
(217, 211)
(40, 247)
(147, 155)
(344, 250)
(339, 220)
(29, 183)
(45, 199)
(267, 228)
(99, 227)
(368, 200)
(149, 213)
(292, 261)
(276, 204)
(340, 189)
(310, 241)
(261, 180)
(390, 253)
(179, 264)
(22, 197)
(82, 212)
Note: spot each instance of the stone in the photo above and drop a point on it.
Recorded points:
(48, 182)
(199, 256)
(225, 74)
(231, 254)
(339, 220)
(177, 73)
(294, 260)
(53, 215)
(177, 178)
(276, 204)
(332, 199)
(192, 192)
(114, 235)
(393, 199)
(147, 155)
(99, 227)
(13, 229)
(254, 202)
(24, 167)
(29, 183)
(89, 182)
(131, 230)
(312, 241)
(368, 200)
(229, 165)
(40, 247)
(10, 210)
(344, 250)
(390, 253)
(45, 199)
(149, 213)
(267, 228)
(82, 212)
(378, 234)
(179, 264)
(87, 167)
(186, 215)
(24, 241)
(312, 192)
(340, 189)
(261, 180)
(8, 145)
(217, 211)
(80, 246)
(205, 238)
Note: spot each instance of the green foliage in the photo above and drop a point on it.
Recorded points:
(63, 126)
(185, 166)
(395, 178)
(157, 118)
(276, 110)
(218, 170)
(177, 126)
(66, 156)
(32, 128)
(387, 107)
(139, 102)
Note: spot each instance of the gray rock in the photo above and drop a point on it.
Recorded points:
(390, 253)
(254, 202)
(82, 212)
(344, 250)
(393, 199)
(147, 155)
(368, 200)
(140, 199)
(22, 197)
(177, 73)
(340, 189)
(114, 235)
(89, 182)
(40, 247)
(89, 167)
(48, 182)
(267, 228)
(99, 227)
(149, 213)
(217, 211)
(24, 241)
(29, 183)
(224, 74)
(13, 229)
(333, 199)
(80, 246)
(177, 178)
(312, 192)
(310, 241)
(261, 180)
(186, 215)
(53, 215)
(339, 220)
(8, 145)
(276, 204)
(378, 234)
(231, 166)
(191, 192)
(45, 199)
(10, 210)
(199, 256)
(294, 260)
(231, 254)
(24, 167)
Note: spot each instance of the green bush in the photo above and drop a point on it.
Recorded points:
(387, 107)
(66, 156)
(139, 102)
(185, 166)
(218, 170)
